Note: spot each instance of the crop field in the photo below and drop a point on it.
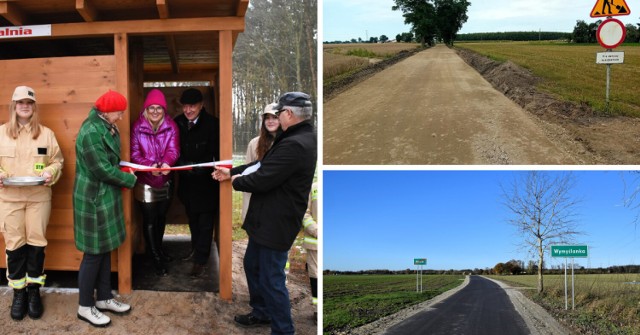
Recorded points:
(379, 50)
(336, 64)
(344, 59)
(351, 301)
(604, 303)
(571, 73)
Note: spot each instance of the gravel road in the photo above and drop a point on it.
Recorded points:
(433, 108)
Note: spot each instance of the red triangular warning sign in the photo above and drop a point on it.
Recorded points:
(604, 8)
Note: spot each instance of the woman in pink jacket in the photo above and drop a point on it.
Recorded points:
(155, 142)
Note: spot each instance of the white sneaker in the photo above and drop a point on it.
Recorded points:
(93, 316)
(114, 306)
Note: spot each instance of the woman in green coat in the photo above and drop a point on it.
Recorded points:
(97, 206)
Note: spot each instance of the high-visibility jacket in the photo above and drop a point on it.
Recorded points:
(309, 223)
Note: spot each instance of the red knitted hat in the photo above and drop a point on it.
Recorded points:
(111, 101)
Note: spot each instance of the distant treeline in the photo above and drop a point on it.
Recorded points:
(515, 36)
(558, 269)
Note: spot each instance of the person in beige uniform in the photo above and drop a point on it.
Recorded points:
(310, 226)
(27, 149)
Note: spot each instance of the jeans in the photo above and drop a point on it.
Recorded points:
(268, 294)
(95, 273)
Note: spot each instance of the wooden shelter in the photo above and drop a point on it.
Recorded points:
(72, 51)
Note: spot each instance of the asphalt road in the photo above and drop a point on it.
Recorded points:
(480, 308)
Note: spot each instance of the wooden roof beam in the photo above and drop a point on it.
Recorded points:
(163, 13)
(163, 9)
(87, 10)
(12, 12)
(141, 27)
(242, 7)
(206, 74)
(173, 53)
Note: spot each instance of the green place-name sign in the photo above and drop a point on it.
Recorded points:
(569, 251)
(419, 261)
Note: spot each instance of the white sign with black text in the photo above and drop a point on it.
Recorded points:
(610, 57)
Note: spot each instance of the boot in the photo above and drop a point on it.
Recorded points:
(160, 232)
(17, 267)
(19, 304)
(152, 243)
(35, 303)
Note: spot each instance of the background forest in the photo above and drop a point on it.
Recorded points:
(275, 54)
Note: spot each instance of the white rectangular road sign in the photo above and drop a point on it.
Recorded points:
(610, 57)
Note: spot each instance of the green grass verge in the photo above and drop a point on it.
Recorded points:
(351, 301)
(570, 72)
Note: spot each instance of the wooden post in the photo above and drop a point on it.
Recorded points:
(121, 51)
(226, 148)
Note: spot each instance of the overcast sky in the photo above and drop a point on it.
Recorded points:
(456, 219)
(347, 19)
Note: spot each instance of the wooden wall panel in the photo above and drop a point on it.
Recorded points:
(66, 89)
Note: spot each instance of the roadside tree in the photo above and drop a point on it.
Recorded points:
(543, 210)
(633, 35)
(451, 15)
(434, 19)
(421, 15)
(499, 269)
(580, 32)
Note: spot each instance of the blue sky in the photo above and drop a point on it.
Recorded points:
(455, 219)
(347, 19)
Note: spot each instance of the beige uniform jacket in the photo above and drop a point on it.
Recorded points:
(310, 221)
(251, 156)
(26, 157)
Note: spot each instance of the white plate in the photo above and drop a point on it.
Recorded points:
(23, 181)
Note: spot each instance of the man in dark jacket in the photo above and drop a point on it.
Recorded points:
(199, 137)
(279, 194)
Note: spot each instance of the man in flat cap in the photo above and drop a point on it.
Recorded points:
(279, 194)
(199, 139)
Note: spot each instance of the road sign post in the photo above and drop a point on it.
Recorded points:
(419, 262)
(610, 34)
(569, 251)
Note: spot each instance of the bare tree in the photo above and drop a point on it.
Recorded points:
(632, 192)
(543, 210)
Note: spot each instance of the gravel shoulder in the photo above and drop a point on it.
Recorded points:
(539, 321)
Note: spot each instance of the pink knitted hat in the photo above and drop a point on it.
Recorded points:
(155, 97)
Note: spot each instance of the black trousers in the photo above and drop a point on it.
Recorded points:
(154, 217)
(95, 273)
(202, 226)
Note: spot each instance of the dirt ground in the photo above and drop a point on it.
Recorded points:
(433, 108)
(600, 139)
(164, 312)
